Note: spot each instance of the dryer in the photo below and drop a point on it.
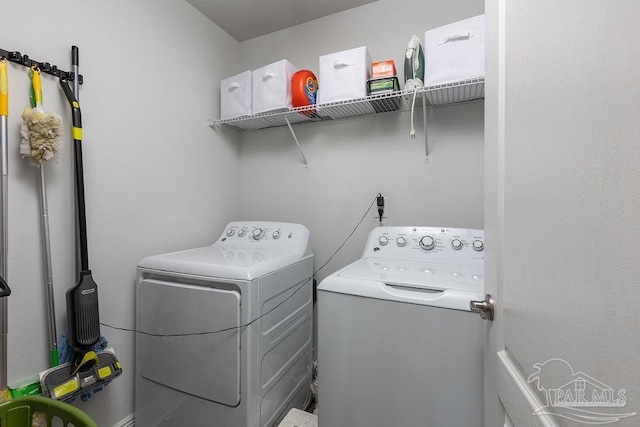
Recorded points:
(225, 330)
(397, 342)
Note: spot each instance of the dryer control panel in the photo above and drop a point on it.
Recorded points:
(432, 244)
(265, 236)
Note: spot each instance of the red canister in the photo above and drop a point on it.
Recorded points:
(304, 88)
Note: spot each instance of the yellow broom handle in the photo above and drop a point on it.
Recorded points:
(37, 85)
(4, 89)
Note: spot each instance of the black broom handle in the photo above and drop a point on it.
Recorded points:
(76, 119)
(82, 221)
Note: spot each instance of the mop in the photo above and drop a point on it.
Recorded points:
(41, 133)
(91, 366)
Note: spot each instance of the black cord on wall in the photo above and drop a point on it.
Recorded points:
(266, 313)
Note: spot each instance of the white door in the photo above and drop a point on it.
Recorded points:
(562, 212)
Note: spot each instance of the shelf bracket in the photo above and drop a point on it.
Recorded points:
(304, 159)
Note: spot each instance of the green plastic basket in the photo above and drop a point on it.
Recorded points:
(19, 412)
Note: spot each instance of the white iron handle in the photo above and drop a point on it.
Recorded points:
(456, 37)
(234, 85)
(268, 76)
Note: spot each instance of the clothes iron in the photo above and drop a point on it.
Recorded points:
(414, 65)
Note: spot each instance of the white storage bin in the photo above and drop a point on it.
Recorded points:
(235, 96)
(343, 75)
(454, 52)
(272, 86)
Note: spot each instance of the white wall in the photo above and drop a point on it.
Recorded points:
(157, 178)
(351, 161)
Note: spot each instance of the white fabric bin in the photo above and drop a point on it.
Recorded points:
(454, 52)
(272, 86)
(235, 96)
(343, 75)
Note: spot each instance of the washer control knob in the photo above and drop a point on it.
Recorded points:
(276, 234)
(242, 232)
(427, 243)
(258, 233)
(478, 245)
(230, 232)
(456, 244)
(401, 241)
(383, 240)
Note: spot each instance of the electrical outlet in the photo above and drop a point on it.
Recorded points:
(385, 214)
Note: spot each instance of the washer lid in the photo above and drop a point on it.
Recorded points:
(409, 282)
(435, 276)
(215, 261)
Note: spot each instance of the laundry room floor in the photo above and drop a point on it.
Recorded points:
(298, 418)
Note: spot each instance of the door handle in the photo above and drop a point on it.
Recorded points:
(483, 308)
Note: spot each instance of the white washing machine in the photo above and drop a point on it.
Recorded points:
(397, 342)
(226, 330)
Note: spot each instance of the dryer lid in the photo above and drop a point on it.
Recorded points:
(220, 262)
(195, 346)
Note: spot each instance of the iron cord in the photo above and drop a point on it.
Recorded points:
(188, 334)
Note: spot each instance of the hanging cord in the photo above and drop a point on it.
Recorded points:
(264, 314)
(412, 132)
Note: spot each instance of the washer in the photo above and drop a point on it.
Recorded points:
(226, 330)
(397, 343)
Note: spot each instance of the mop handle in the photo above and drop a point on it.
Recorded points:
(4, 138)
(75, 63)
(36, 101)
(4, 220)
(53, 333)
(4, 89)
(37, 85)
(76, 120)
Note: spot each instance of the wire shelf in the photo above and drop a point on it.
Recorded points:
(451, 93)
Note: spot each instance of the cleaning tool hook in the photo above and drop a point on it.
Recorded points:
(45, 67)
